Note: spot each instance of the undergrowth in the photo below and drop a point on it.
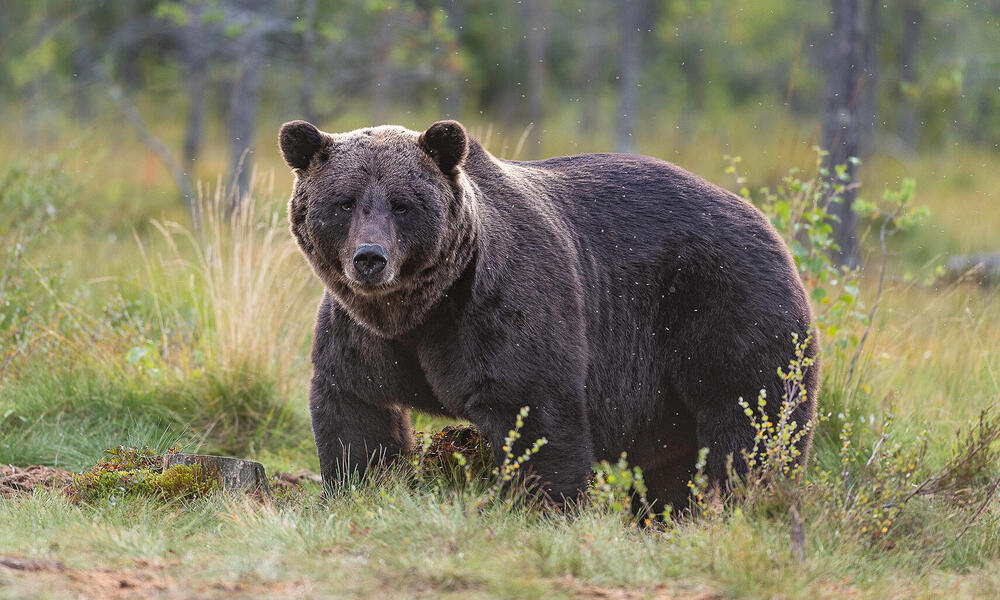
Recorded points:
(207, 349)
(203, 348)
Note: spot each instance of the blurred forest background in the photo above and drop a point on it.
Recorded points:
(197, 89)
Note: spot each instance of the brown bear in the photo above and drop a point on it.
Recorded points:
(627, 302)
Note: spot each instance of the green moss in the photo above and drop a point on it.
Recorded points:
(132, 472)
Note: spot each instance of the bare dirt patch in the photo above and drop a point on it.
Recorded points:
(30, 576)
(659, 592)
(24, 480)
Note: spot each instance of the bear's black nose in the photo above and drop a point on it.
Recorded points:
(370, 259)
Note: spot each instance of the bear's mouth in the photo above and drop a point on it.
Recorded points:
(368, 287)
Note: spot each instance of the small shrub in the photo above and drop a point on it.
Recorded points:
(510, 470)
(776, 452)
(871, 495)
(619, 489)
(800, 208)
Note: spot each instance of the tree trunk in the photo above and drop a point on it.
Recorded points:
(870, 87)
(83, 106)
(913, 16)
(452, 103)
(243, 115)
(536, 23)
(841, 115)
(196, 72)
(693, 67)
(233, 473)
(308, 69)
(628, 72)
(590, 76)
(196, 52)
(382, 80)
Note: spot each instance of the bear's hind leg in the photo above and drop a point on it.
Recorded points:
(667, 461)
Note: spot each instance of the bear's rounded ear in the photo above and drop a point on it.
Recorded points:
(299, 142)
(447, 143)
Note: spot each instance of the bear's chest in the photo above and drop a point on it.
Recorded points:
(453, 364)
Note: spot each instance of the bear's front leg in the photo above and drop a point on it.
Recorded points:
(562, 466)
(352, 434)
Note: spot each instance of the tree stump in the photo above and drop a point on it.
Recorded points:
(235, 474)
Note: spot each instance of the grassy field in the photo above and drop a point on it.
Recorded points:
(121, 324)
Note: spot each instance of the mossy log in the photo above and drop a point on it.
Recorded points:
(234, 473)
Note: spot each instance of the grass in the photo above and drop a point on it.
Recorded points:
(394, 541)
(123, 324)
(206, 345)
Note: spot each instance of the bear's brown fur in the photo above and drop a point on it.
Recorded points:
(626, 301)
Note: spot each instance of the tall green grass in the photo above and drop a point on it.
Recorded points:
(209, 351)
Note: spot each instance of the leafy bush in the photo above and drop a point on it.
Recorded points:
(620, 489)
(800, 208)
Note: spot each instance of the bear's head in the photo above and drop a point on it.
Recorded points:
(376, 212)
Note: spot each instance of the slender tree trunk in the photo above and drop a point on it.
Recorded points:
(870, 87)
(243, 114)
(841, 114)
(913, 16)
(83, 61)
(382, 80)
(308, 68)
(195, 55)
(694, 101)
(536, 21)
(196, 108)
(628, 73)
(590, 75)
(452, 103)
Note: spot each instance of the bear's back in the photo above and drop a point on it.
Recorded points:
(636, 209)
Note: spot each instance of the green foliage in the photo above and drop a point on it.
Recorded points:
(776, 452)
(510, 470)
(898, 212)
(800, 209)
(873, 496)
(33, 196)
(173, 11)
(619, 489)
(124, 474)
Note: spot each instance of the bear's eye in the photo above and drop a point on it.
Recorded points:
(346, 205)
(399, 209)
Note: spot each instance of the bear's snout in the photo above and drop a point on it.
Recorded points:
(370, 259)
